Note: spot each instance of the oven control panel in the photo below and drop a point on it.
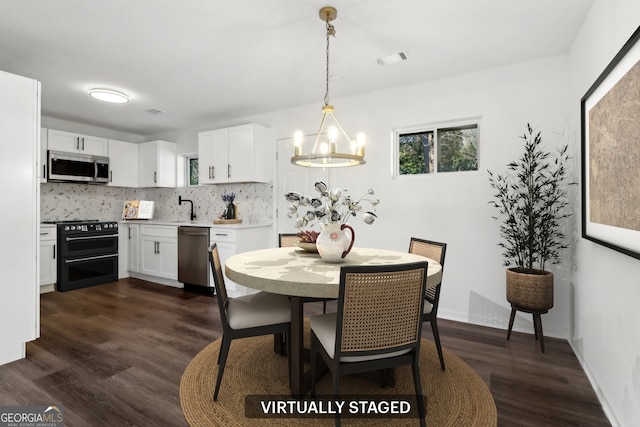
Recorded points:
(93, 228)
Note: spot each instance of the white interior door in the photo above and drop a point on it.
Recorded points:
(294, 178)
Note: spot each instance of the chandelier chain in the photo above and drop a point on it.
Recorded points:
(331, 31)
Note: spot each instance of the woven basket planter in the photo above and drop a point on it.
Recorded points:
(530, 290)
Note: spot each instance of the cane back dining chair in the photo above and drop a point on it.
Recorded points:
(252, 315)
(435, 251)
(377, 326)
(286, 240)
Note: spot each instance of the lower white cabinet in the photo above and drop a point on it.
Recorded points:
(133, 248)
(124, 248)
(231, 241)
(159, 251)
(48, 254)
(153, 251)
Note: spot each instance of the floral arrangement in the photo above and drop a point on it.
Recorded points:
(228, 198)
(330, 206)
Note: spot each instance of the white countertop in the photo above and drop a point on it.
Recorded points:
(178, 223)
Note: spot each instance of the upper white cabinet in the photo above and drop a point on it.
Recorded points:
(69, 142)
(212, 163)
(123, 164)
(157, 164)
(235, 154)
(42, 172)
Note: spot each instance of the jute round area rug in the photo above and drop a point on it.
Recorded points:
(455, 397)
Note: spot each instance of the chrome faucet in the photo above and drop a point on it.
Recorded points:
(180, 200)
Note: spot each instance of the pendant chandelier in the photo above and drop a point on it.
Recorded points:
(325, 152)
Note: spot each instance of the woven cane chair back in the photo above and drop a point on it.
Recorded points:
(287, 240)
(433, 250)
(218, 279)
(380, 307)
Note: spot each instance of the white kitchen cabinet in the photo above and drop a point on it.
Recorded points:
(157, 164)
(212, 162)
(69, 142)
(159, 251)
(42, 171)
(48, 254)
(123, 164)
(232, 241)
(123, 250)
(133, 247)
(235, 154)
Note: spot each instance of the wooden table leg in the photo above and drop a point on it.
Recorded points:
(278, 344)
(297, 347)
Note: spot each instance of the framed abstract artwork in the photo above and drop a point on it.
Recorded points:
(610, 121)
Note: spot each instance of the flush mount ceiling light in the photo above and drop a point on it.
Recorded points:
(109, 95)
(325, 153)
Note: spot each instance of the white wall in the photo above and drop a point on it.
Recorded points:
(449, 207)
(606, 284)
(19, 139)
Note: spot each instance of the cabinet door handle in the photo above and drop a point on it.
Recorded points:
(110, 176)
(158, 248)
(54, 251)
(213, 168)
(228, 171)
(155, 177)
(82, 143)
(210, 172)
(78, 143)
(44, 171)
(221, 234)
(129, 234)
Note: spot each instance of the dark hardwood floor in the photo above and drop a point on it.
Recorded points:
(113, 355)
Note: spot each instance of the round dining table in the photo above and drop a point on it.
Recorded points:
(305, 277)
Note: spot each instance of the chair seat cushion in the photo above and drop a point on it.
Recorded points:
(427, 307)
(324, 326)
(260, 309)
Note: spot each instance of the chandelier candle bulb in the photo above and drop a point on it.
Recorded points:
(298, 137)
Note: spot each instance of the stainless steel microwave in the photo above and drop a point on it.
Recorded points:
(78, 167)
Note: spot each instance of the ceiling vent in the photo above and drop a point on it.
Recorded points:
(153, 111)
(392, 59)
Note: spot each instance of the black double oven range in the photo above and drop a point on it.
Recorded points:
(87, 253)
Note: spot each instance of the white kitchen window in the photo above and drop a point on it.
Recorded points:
(429, 149)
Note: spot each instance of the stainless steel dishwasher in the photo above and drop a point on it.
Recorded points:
(193, 258)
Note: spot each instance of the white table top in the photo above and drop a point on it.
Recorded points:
(291, 271)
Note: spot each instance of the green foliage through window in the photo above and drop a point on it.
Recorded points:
(193, 171)
(436, 150)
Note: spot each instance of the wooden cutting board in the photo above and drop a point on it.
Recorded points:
(227, 221)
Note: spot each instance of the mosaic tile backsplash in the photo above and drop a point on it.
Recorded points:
(67, 201)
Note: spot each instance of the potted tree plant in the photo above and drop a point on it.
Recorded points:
(531, 199)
